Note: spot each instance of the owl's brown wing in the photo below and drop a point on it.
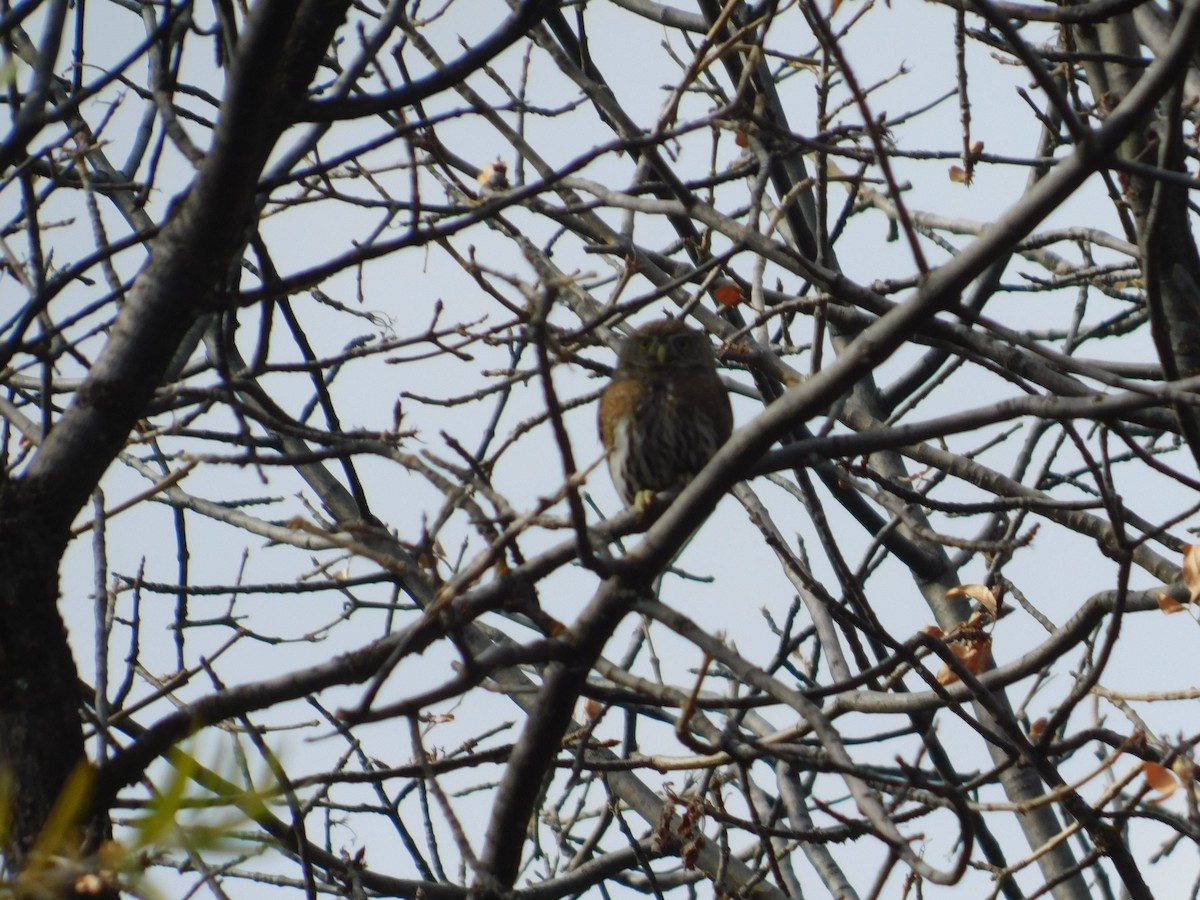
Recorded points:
(619, 409)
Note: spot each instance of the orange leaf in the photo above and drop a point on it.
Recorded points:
(1160, 780)
(742, 139)
(1036, 728)
(729, 295)
(958, 175)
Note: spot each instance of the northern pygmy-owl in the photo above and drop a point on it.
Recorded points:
(665, 412)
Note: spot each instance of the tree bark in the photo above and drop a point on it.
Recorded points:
(41, 739)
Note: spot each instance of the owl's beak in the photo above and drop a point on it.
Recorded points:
(661, 352)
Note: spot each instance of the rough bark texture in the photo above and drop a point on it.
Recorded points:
(41, 741)
(40, 734)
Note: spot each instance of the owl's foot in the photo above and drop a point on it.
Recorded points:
(644, 499)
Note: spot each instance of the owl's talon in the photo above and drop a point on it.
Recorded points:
(644, 499)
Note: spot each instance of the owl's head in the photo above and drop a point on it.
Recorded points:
(666, 345)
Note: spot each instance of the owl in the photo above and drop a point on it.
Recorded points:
(665, 412)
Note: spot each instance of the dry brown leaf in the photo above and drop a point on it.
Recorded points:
(977, 619)
(946, 675)
(493, 176)
(1191, 569)
(742, 139)
(1184, 768)
(977, 592)
(958, 175)
(974, 656)
(1169, 604)
(1036, 727)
